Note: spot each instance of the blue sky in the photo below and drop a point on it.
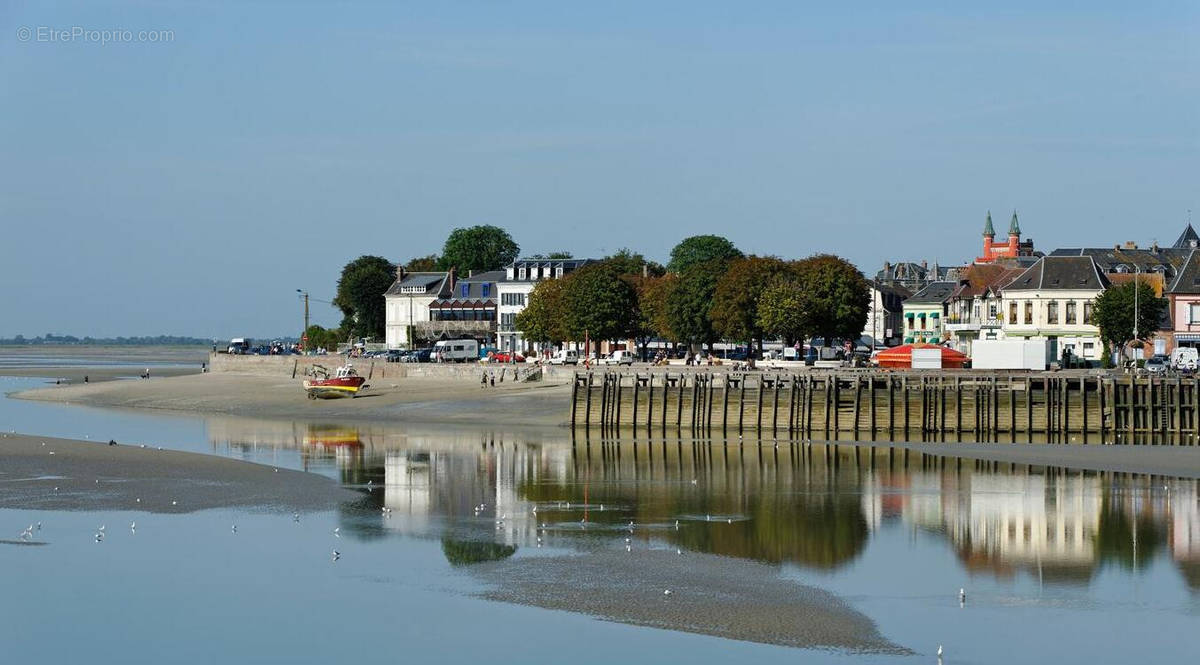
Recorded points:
(190, 187)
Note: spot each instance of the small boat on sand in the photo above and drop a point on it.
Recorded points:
(344, 383)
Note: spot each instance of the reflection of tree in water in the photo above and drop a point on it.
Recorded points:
(466, 552)
(1115, 540)
(823, 531)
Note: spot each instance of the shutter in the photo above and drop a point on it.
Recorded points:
(1188, 314)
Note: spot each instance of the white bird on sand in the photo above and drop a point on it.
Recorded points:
(133, 526)
(99, 537)
(678, 551)
(962, 595)
(101, 528)
(939, 652)
(234, 528)
(337, 532)
(666, 592)
(295, 517)
(174, 502)
(336, 555)
(39, 526)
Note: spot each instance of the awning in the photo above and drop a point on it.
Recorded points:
(936, 315)
(1187, 337)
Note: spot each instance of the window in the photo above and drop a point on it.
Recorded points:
(558, 272)
(1028, 312)
(1194, 313)
(486, 289)
(1071, 318)
(1087, 313)
(513, 299)
(522, 274)
(508, 319)
(922, 317)
(465, 289)
(1052, 312)
(992, 311)
(1012, 312)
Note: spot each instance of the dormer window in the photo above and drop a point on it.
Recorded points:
(523, 274)
(465, 289)
(558, 271)
(486, 289)
(1121, 268)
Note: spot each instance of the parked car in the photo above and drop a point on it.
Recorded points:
(418, 356)
(737, 354)
(1157, 364)
(565, 357)
(618, 358)
(507, 357)
(395, 355)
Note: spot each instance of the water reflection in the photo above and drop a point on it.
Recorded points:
(810, 505)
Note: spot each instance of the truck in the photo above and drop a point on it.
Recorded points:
(239, 346)
(456, 351)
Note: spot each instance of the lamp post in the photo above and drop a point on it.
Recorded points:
(304, 331)
(1137, 270)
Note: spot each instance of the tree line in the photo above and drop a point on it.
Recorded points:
(709, 290)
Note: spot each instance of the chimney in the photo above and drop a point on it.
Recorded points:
(1154, 247)
(924, 265)
(470, 274)
(645, 270)
(1129, 244)
(887, 268)
(453, 277)
(399, 273)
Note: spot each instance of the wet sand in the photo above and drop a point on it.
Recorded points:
(86, 475)
(710, 595)
(534, 405)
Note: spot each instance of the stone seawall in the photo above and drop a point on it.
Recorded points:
(375, 368)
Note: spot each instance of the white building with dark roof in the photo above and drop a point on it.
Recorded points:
(1053, 300)
(407, 304)
(513, 291)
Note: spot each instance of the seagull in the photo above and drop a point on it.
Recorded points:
(628, 548)
(295, 517)
(101, 528)
(336, 555)
(729, 520)
(99, 537)
(174, 502)
(939, 652)
(693, 481)
(962, 596)
(667, 592)
(337, 532)
(678, 551)
(133, 526)
(234, 528)
(676, 525)
(39, 526)
(139, 500)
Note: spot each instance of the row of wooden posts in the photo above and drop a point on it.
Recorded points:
(892, 406)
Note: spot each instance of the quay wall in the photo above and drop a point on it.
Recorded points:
(880, 405)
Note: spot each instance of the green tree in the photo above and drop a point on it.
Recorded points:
(551, 256)
(360, 292)
(781, 309)
(598, 303)
(319, 337)
(735, 302)
(690, 302)
(701, 249)
(422, 263)
(836, 297)
(629, 262)
(1113, 312)
(542, 319)
(466, 552)
(478, 248)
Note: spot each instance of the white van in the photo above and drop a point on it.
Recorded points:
(618, 358)
(456, 351)
(565, 357)
(1185, 357)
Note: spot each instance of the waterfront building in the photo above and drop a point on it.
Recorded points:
(925, 311)
(407, 304)
(1183, 294)
(1053, 300)
(885, 318)
(513, 292)
(975, 310)
(469, 311)
(913, 277)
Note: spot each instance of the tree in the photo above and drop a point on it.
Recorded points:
(701, 249)
(319, 337)
(597, 303)
(478, 248)
(1114, 313)
(360, 292)
(422, 263)
(466, 552)
(781, 309)
(551, 256)
(835, 297)
(735, 301)
(629, 262)
(690, 301)
(542, 319)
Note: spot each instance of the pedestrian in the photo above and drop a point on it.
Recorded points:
(483, 379)
(85, 378)
(493, 380)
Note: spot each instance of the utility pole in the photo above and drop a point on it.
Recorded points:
(304, 331)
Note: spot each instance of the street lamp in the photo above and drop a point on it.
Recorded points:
(1137, 271)
(304, 330)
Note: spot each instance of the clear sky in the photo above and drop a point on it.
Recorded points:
(190, 187)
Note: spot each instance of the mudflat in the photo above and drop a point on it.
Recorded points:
(43, 473)
(461, 401)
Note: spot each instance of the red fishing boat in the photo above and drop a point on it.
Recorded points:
(344, 383)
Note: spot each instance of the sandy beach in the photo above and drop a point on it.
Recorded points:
(398, 400)
(44, 473)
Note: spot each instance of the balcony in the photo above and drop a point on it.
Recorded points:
(431, 329)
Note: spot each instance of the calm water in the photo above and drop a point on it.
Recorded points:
(1059, 566)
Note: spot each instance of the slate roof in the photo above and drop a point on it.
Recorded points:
(1187, 280)
(936, 293)
(475, 296)
(1188, 239)
(1060, 273)
(434, 283)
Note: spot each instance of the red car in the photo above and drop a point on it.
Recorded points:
(507, 357)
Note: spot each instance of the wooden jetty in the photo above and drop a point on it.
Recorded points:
(875, 405)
